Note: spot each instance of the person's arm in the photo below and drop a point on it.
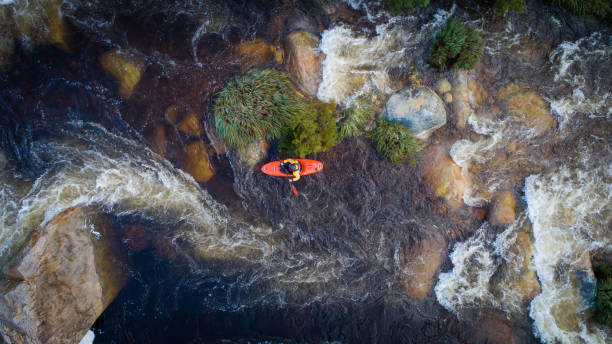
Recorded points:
(296, 176)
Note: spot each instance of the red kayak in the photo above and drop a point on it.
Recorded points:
(308, 167)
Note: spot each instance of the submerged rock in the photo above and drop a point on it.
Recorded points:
(304, 60)
(124, 66)
(253, 153)
(421, 265)
(62, 280)
(442, 86)
(157, 139)
(253, 53)
(195, 161)
(191, 125)
(460, 98)
(527, 106)
(420, 109)
(443, 176)
(502, 210)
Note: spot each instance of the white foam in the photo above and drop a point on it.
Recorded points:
(570, 63)
(356, 65)
(89, 338)
(570, 211)
(467, 284)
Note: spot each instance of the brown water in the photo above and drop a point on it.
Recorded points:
(238, 258)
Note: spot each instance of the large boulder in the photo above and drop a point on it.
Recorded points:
(304, 60)
(62, 280)
(526, 106)
(126, 67)
(421, 109)
(421, 264)
(443, 176)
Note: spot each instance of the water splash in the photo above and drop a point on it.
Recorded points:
(357, 65)
(571, 211)
(582, 70)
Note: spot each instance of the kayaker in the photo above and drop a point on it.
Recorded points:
(291, 166)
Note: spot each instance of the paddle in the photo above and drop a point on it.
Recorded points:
(294, 190)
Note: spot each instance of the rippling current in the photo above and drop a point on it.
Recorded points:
(239, 258)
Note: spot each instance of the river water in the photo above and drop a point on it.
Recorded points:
(238, 258)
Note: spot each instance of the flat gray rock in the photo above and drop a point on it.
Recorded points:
(421, 109)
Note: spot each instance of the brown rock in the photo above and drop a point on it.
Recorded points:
(502, 211)
(172, 114)
(461, 99)
(421, 264)
(124, 66)
(157, 139)
(443, 175)
(527, 106)
(70, 270)
(442, 86)
(136, 237)
(493, 328)
(190, 125)
(253, 53)
(304, 61)
(195, 161)
(57, 28)
(253, 153)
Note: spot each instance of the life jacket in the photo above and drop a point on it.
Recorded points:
(290, 166)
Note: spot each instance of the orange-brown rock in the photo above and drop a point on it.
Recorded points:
(253, 53)
(502, 209)
(527, 106)
(304, 61)
(126, 67)
(136, 237)
(195, 161)
(191, 125)
(157, 139)
(57, 28)
(443, 176)
(63, 279)
(421, 264)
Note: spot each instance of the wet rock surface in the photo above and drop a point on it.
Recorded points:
(303, 60)
(62, 280)
(420, 109)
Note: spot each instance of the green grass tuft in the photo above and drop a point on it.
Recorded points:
(603, 302)
(256, 105)
(457, 46)
(597, 8)
(356, 118)
(510, 5)
(395, 141)
(396, 6)
(312, 131)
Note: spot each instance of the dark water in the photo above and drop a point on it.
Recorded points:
(331, 263)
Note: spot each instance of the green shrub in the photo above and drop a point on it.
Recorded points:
(395, 141)
(597, 8)
(312, 131)
(510, 5)
(355, 118)
(255, 105)
(396, 6)
(603, 302)
(456, 45)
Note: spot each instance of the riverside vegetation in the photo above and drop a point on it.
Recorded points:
(457, 46)
(603, 303)
(264, 104)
